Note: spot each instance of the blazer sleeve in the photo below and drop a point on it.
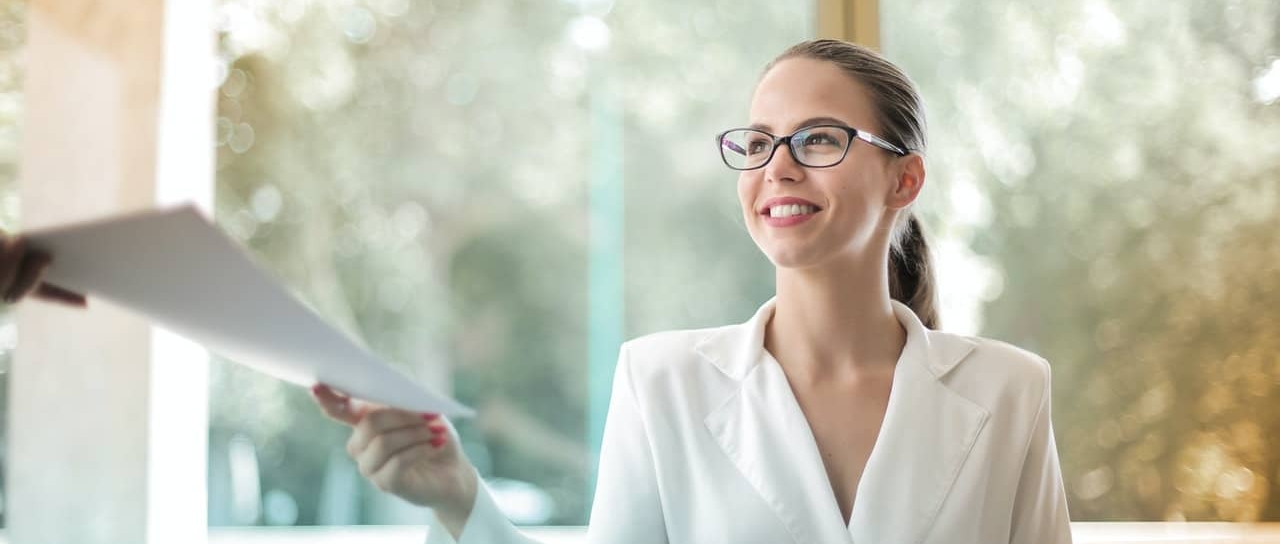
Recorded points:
(627, 508)
(486, 525)
(1040, 506)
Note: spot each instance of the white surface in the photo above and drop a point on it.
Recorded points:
(366, 534)
(180, 271)
(1083, 533)
(1100, 532)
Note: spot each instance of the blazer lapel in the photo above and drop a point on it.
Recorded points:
(927, 434)
(762, 430)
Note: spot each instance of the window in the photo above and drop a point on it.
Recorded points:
(493, 196)
(1105, 183)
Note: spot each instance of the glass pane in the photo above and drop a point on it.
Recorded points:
(1105, 179)
(491, 195)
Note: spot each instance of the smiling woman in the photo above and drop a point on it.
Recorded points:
(835, 414)
(456, 197)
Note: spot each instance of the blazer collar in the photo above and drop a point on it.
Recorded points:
(737, 348)
(927, 433)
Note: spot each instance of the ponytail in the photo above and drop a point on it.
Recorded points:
(911, 279)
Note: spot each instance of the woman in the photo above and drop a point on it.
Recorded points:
(836, 413)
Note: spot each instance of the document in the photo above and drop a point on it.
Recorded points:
(176, 268)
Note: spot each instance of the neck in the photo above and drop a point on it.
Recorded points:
(835, 323)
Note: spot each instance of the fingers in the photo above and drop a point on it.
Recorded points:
(21, 271)
(390, 457)
(27, 277)
(386, 441)
(390, 444)
(386, 478)
(391, 476)
(440, 432)
(381, 421)
(336, 406)
(53, 293)
(12, 251)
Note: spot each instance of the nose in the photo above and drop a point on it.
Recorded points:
(783, 168)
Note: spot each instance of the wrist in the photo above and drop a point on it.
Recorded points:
(461, 502)
(453, 513)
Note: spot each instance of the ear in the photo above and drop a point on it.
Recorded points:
(909, 179)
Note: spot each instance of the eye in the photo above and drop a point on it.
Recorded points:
(820, 138)
(758, 145)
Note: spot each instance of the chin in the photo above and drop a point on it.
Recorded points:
(793, 257)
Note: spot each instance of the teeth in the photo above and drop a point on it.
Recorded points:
(790, 210)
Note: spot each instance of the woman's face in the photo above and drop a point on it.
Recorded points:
(853, 203)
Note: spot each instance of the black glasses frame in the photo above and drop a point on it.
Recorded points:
(854, 134)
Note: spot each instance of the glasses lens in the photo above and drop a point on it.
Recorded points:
(820, 146)
(745, 149)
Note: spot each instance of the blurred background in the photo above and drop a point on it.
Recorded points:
(493, 195)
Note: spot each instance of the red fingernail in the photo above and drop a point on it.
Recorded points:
(430, 417)
(437, 441)
(435, 428)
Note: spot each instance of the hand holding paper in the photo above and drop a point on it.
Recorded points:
(180, 271)
(22, 274)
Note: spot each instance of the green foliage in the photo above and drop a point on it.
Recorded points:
(1129, 168)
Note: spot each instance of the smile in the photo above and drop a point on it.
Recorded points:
(792, 210)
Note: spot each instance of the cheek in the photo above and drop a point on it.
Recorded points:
(858, 188)
(748, 192)
(860, 208)
(748, 187)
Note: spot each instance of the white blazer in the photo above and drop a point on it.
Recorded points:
(705, 443)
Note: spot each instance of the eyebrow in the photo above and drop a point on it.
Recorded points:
(806, 123)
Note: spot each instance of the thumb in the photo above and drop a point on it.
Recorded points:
(337, 406)
(54, 293)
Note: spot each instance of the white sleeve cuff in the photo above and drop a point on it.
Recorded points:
(486, 524)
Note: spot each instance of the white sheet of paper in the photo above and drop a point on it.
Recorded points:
(179, 270)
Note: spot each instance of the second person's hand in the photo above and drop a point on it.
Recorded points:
(22, 271)
(408, 454)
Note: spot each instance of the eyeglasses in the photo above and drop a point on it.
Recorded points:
(818, 146)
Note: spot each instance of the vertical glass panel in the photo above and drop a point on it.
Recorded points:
(1104, 181)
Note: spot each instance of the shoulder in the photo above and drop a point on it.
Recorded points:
(676, 362)
(1014, 363)
(668, 351)
(996, 373)
(658, 344)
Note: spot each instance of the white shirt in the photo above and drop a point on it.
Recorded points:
(705, 443)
